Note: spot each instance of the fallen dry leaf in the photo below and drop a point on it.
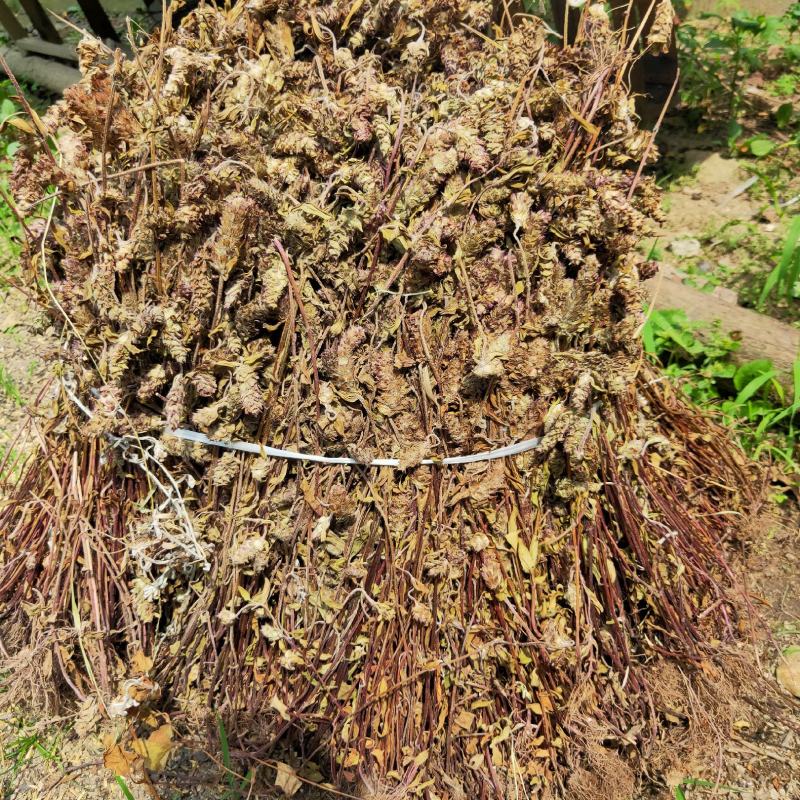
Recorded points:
(286, 779)
(140, 663)
(119, 760)
(156, 748)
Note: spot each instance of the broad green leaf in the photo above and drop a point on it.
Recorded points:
(767, 421)
(796, 381)
(792, 275)
(784, 114)
(769, 285)
(761, 146)
(743, 21)
(748, 391)
(648, 338)
(7, 108)
(786, 272)
(752, 369)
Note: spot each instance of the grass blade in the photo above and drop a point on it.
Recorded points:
(124, 787)
(754, 385)
(788, 266)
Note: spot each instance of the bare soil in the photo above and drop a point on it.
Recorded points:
(23, 349)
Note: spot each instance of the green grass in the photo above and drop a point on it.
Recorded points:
(784, 278)
(718, 54)
(761, 265)
(123, 786)
(749, 398)
(729, 64)
(699, 783)
(238, 786)
(18, 749)
(8, 386)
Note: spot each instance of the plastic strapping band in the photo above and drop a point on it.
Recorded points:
(292, 455)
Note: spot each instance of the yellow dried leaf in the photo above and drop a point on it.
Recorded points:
(119, 760)
(489, 355)
(421, 758)
(788, 671)
(21, 124)
(527, 559)
(286, 779)
(354, 9)
(156, 748)
(278, 705)
(465, 720)
(351, 759)
(140, 663)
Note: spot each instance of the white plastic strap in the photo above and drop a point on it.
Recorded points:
(292, 455)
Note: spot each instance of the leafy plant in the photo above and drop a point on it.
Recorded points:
(719, 52)
(749, 397)
(699, 783)
(8, 385)
(9, 110)
(9, 226)
(784, 278)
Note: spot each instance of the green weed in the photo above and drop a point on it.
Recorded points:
(719, 52)
(699, 783)
(784, 278)
(238, 786)
(740, 254)
(11, 463)
(748, 397)
(126, 792)
(10, 231)
(8, 386)
(20, 749)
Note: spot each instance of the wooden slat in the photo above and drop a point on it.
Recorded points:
(30, 44)
(38, 17)
(54, 76)
(98, 19)
(10, 22)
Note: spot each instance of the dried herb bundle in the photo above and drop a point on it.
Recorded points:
(374, 229)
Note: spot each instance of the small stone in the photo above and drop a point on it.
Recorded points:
(788, 671)
(685, 248)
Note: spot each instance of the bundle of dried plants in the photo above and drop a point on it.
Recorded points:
(364, 230)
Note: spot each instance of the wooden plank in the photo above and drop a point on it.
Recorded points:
(98, 19)
(761, 336)
(65, 52)
(51, 75)
(10, 22)
(39, 19)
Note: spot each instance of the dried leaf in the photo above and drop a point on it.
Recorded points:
(286, 779)
(119, 760)
(156, 748)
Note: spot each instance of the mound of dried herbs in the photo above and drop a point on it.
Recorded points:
(377, 230)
